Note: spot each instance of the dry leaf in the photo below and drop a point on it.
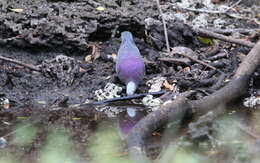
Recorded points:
(95, 52)
(113, 55)
(82, 70)
(5, 103)
(156, 134)
(6, 106)
(186, 69)
(22, 117)
(16, 9)
(100, 8)
(167, 85)
(88, 58)
(42, 102)
(76, 118)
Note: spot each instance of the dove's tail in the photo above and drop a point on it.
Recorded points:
(130, 88)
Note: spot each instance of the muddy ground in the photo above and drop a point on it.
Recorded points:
(46, 29)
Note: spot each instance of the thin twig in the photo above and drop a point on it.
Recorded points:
(135, 96)
(210, 11)
(164, 26)
(244, 18)
(198, 61)
(214, 50)
(230, 31)
(207, 33)
(175, 60)
(32, 67)
(200, 10)
(233, 5)
(248, 130)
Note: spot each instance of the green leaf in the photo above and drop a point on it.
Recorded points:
(205, 40)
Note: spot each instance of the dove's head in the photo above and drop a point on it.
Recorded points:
(127, 36)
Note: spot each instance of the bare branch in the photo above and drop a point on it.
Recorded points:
(207, 33)
(32, 67)
(164, 26)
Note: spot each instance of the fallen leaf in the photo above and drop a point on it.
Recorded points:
(76, 118)
(22, 118)
(186, 69)
(16, 9)
(114, 56)
(88, 58)
(42, 102)
(95, 52)
(167, 85)
(100, 8)
(82, 70)
(6, 106)
(156, 134)
(205, 40)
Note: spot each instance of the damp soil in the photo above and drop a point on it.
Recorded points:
(47, 30)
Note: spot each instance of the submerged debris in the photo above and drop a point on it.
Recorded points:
(202, 128)
(109, 110)
(154, 103)
(110, 91)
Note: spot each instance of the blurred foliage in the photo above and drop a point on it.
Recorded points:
(6, 160)
(106, 146)
(58, 149)
(179, 153)
(227, 129)
(24, 134)
(228, 143)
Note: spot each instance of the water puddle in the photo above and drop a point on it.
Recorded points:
(88, 131)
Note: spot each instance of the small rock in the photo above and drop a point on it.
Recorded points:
(110, 111)
(112, 57)
(150, 21)
(155, 84)
(201, 21)
(4, 102)
(110, 91)
(219, 23)
(154, 103)
(252, 101)
(181, 17)
(62, 68)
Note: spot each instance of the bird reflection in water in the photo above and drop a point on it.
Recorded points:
(128, 119)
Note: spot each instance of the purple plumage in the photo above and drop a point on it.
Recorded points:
(129, 63)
